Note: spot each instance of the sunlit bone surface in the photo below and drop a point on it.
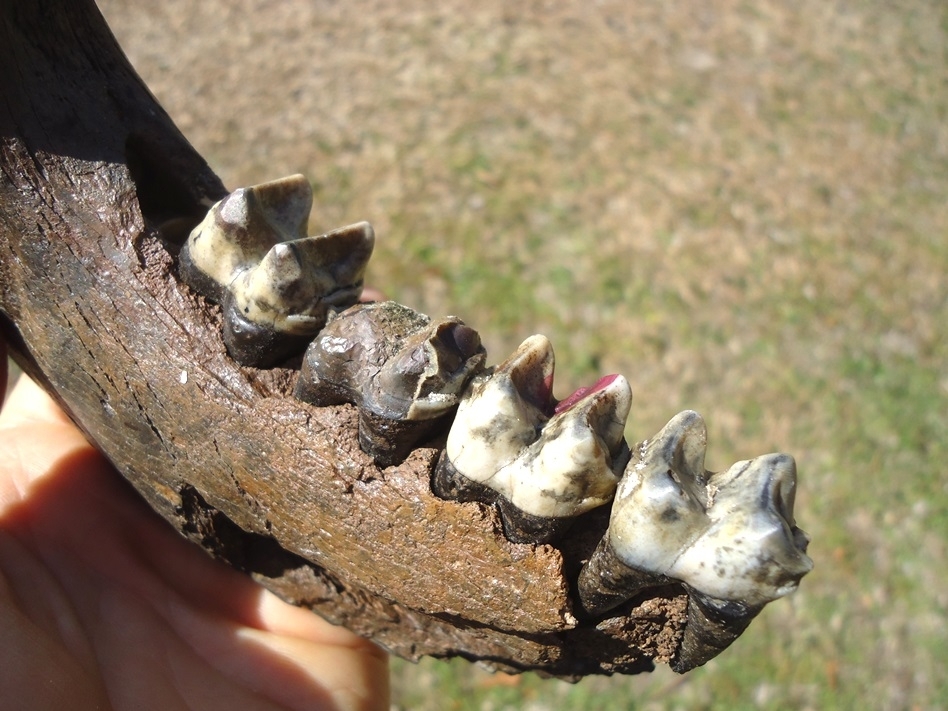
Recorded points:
(404, 371)
(542, 462)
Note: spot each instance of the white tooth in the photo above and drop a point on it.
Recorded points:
(570, 469)
(495, 421)
(240, 229)
(729, 536)
(749, 551)
(659, 506)
(545, 469)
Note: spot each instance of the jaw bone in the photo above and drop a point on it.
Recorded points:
(729, 537)
(404, 372)
(275, 285)
(541, 462)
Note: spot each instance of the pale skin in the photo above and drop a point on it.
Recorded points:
(104, 606)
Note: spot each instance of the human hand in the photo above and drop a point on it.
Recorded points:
(103, 605)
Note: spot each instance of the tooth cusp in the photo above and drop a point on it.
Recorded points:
(542, 465)
(404, 372)
(730, 537)
(275, 285)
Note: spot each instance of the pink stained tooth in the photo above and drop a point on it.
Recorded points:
(601, 384)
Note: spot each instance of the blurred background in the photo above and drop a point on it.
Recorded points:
(740, 206)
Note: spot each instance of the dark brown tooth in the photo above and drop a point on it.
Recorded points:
(405, 373)
(712, 626)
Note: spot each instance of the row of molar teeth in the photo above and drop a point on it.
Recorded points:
(543, 463)
(276, 286)
(402, 370)
(729, 538)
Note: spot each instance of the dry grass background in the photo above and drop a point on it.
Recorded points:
(740, 206)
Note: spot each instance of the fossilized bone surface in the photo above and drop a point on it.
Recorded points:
(92, 306)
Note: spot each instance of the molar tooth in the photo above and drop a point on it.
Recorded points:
(275, 285)
(543, 465)
(657, 510)
(405, 373)
(242, 227)
(752, 554)
(729, 537)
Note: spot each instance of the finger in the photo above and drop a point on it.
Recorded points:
(293, 671)
(34, 436)
(370, 294)
(28, 404)
(3, 371)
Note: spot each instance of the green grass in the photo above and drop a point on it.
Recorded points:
(739, 206)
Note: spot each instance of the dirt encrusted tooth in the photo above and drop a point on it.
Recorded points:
(543, 463)
(729, 537)
(275, 285)
(402, 370)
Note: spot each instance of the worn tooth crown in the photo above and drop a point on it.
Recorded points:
(572, 466)
(241, 228)
(728, 535)
(296, 282)
(426, 377)
(404, 372)
(545, 463)
(659, 506)
(503, 412)
(751, 551)
(275, 285)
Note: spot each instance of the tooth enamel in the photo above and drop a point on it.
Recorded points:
(295, 283)
(729, 537)
(544, 479)
(543, 471)
(240, 229)
(749, 552)
(659, 506)
(275, 285)
(405, 373)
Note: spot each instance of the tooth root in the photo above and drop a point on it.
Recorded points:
(541, 471)
(388, 361)
(713, 624)
(606, 581)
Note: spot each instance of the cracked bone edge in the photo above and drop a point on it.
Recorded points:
(542, 472)
(240, 229)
